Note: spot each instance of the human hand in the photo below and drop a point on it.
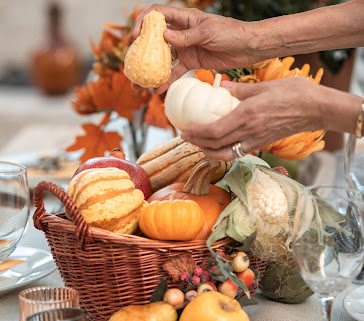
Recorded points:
(268, 111)
(201, 40)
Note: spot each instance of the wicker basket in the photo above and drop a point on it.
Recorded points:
(110, 270)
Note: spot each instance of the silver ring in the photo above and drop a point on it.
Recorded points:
(238, 151)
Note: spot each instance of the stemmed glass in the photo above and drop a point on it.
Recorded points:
(354, 173)
(328, 242)
(14, 206)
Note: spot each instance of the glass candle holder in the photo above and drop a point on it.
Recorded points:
(34, 300)
(64, 314)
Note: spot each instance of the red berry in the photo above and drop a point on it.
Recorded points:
(282, 170)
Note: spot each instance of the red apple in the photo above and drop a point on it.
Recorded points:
(137, 174)
(205, 287)
(228, 288)
(246, 276)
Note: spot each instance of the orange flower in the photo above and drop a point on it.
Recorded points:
(297, 146)
(250, 79)
(206, 75)
(277, 69)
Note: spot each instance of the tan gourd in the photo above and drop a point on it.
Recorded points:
(107, 199)
(173, 161)
(148, 61)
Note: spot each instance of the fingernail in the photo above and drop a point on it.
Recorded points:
(171, 33)
(227, 84)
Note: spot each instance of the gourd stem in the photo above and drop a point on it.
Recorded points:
(217, 81)
(200, 178)
(172, 196)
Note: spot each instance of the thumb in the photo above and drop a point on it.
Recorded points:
(237, 89)
(183, 38)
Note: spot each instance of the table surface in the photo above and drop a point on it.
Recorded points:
(28, 134)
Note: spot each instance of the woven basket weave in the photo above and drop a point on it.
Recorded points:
(111, 270)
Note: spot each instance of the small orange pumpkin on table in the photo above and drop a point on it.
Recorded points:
(211, 198)
(172, 220)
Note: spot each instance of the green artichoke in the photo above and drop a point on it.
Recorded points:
(283, 283)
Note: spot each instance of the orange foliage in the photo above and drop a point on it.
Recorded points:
(95, 141)
(155, 115)
(297, 146)
(206, 75)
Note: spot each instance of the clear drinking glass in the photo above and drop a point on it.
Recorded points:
(14, 206)
(40, 299)
(328, 242)
(354, 173)
(65, 314)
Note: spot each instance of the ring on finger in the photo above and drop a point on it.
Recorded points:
(238, 151)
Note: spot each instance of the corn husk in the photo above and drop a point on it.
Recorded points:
(272, 241)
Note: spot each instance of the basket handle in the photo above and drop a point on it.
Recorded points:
(83, 231)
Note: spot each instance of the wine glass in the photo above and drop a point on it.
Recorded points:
(14, 206)
(328, 241)
(354, 173)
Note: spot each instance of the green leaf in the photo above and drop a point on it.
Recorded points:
(218, 275)
(159, 291)
(244, 301)
(246, 246)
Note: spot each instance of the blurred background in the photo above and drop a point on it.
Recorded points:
(45, 52)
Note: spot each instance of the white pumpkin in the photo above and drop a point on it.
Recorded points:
(191, 101)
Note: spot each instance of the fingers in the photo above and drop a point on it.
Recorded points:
(225, 154)
(179, 70)
(184, 38)
(178, 17)
(240, 90)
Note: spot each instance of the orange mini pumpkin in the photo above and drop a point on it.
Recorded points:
(212, 199)
(172, 220)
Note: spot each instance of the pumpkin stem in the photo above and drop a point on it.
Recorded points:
(172, 196)
(217, 80)
(199, 181)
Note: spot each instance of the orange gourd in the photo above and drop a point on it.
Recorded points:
(172, 220)
(107, 199)
(212, 199)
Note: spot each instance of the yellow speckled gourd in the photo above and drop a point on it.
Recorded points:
(148, 61)
(107, 199)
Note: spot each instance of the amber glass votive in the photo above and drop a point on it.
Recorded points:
(34, 300)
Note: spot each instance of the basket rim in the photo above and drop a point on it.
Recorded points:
(106, 236)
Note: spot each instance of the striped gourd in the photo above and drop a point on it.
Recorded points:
(173, 161)
(107, 199)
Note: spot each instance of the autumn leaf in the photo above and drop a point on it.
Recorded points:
(106, 45)
(112, 91)
(155, 115)
(128, 98)
(95, 142)
(179, 264)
